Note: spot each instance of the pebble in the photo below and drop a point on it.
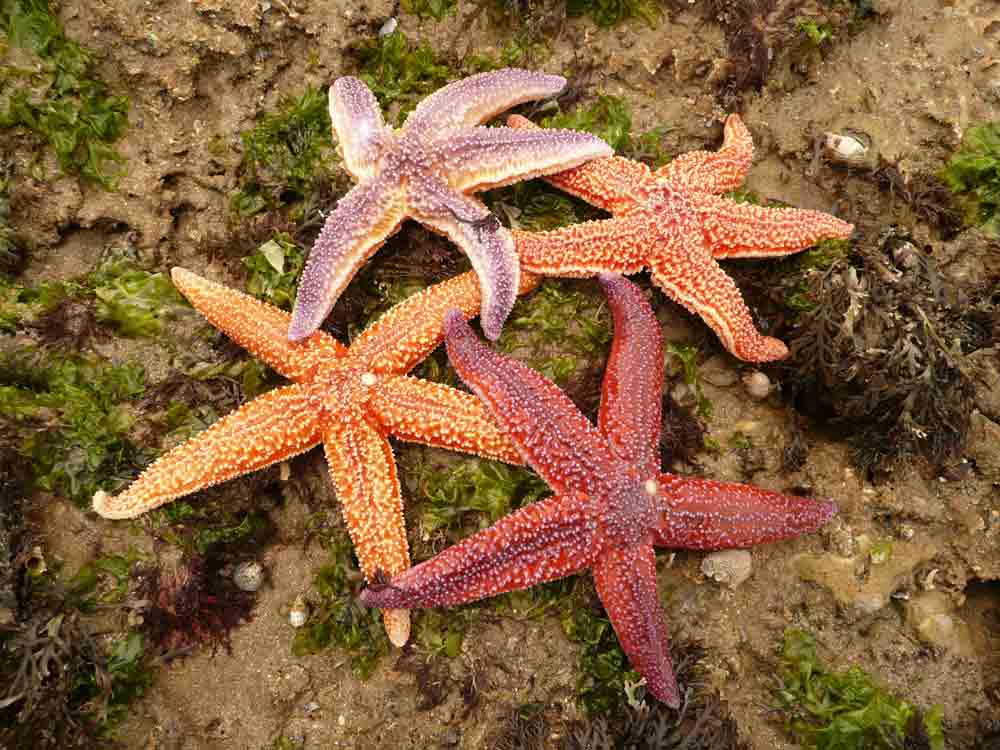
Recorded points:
(757, 384)
(248, 575)
(730, 567)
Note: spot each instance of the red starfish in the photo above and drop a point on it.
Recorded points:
(611, 503)
(674, 222)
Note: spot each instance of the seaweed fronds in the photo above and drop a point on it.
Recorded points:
(400, 74)
(608, 13)
(701, 723)
(973, 174)
(288, 159)
(62, 688)
(55, 94)
(70, 417)
(274, 271)
(190, 604)
(846, 710)
(883, 352)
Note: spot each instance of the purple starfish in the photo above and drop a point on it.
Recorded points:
(611, 503)
(425, 170)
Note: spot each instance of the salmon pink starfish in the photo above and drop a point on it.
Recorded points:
(611, 504)
(674, 222)
(425, 170)
(348, 399)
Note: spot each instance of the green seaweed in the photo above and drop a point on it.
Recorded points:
(56, 95)
(72, 418)
(288, 158)
(561, 327)
(11, 254)
(816, 33)
(489, 489)
(610, 118)
(687, 356)
(275, 268)
(436, 9)
(608, 13)
(133, 301)
(843, 710)
(603, 671)
(127, 298)
(400, 74)
(338, 619)
(973, 175)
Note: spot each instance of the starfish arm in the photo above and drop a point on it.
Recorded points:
(632, 396)
(546, 540)
(481, 97)
(434, 414)
(259, 328)
(357, 125)
(714, 171)
(363, 219)
(625, 578)
(687, 272)
(609, 183)
(586, 249)
(551, 434)
(482, 238)
(363, 470)
(743, 230)
(483, 158)
(404, 336)
(276, 425)
(698, 513)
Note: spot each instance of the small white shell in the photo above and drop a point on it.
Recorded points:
(852, 148)
(758, 385)
(248, 575)
(730, 566)
(298, 613)
(388, 27)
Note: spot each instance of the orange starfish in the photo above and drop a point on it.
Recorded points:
(674, 222)
(348, 399)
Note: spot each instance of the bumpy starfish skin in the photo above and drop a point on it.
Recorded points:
(424, 170)
(611, 503)
(673, 222)
(349, 400)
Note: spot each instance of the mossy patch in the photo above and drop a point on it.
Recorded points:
(973, 174)
(50, 89)
(829, 709)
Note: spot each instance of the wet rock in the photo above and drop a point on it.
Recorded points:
(730, 567)
(856, 584)
(932, 617)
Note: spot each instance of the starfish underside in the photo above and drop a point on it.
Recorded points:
(675, 222)
(425, 171)
(611, 503)
(348, 399)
